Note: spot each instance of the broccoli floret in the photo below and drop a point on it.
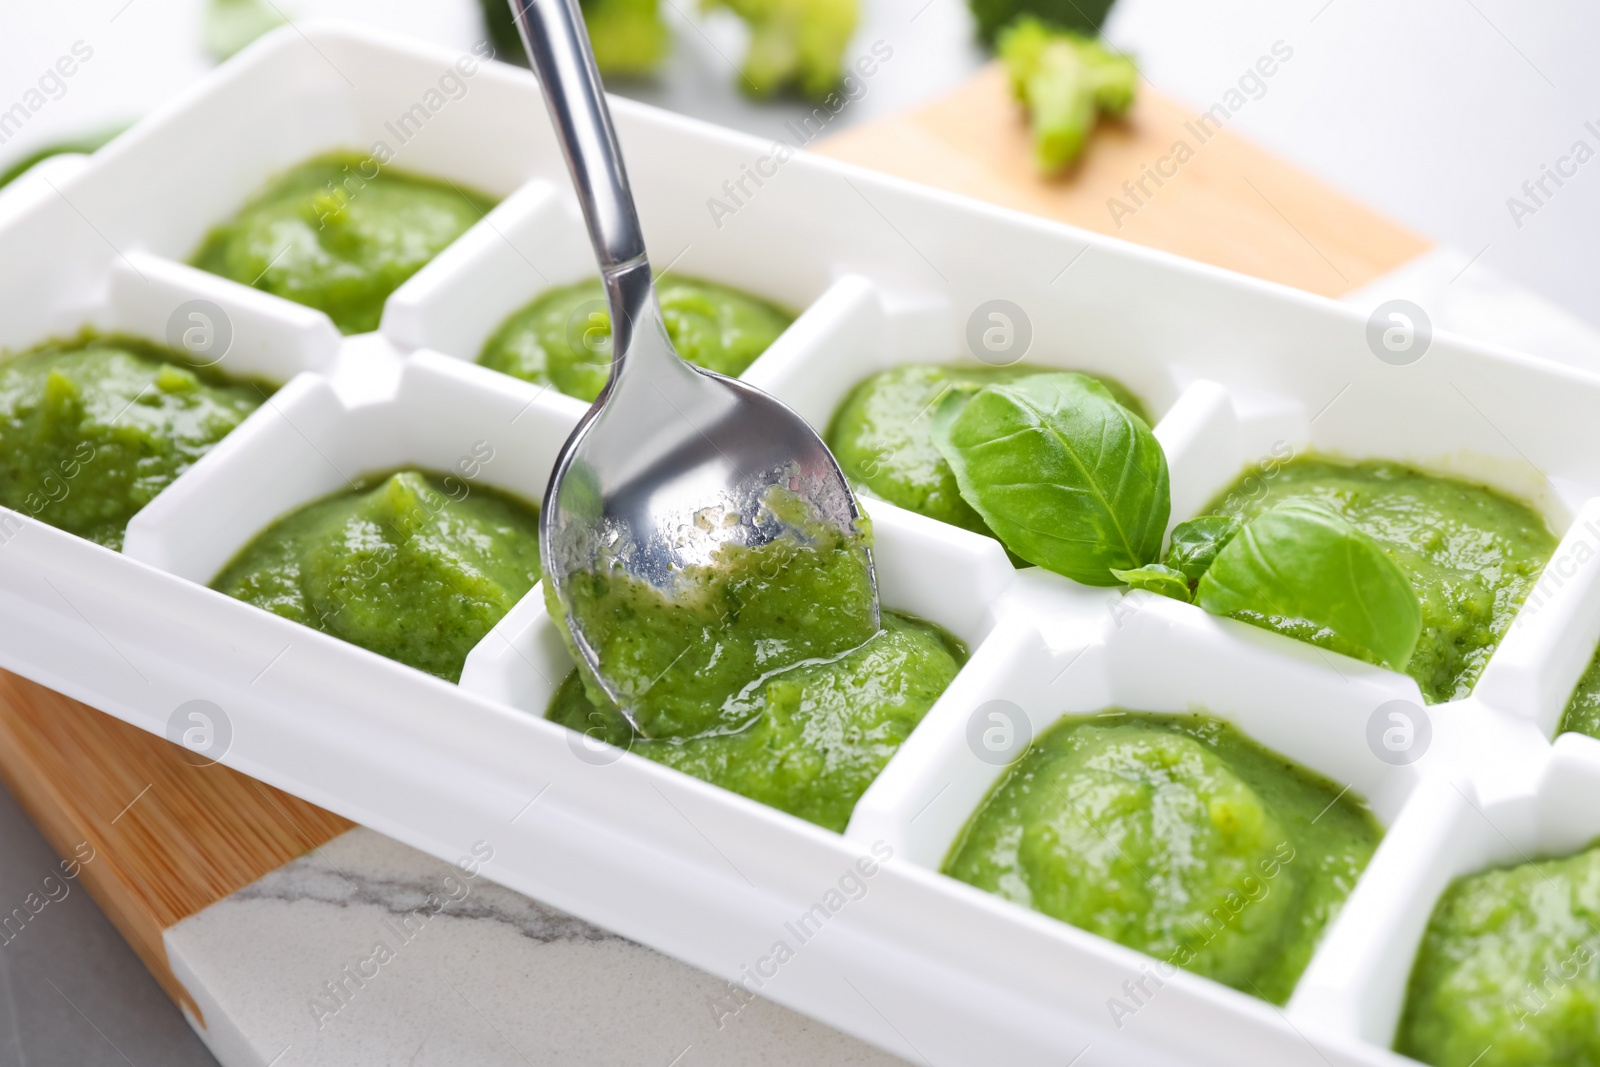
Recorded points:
(794, 43)
(1064, 80)
(628, 36)
(1114, 75)
(1084, 16)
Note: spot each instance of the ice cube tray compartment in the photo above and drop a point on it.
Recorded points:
(160, 192)
(535, 241)
(1534, 671)
(1149, 654)
(1236, 372)
(320, 435)
(532, 241)
(1357, 983)
(256, 335)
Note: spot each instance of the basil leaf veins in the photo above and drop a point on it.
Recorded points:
(1302, 570)
(1064, 475)
(1195, 543)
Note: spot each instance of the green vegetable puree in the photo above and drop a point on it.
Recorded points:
(92, 429)
(1583, 710)
(563, 338)
(682, 659)
(409, 566)
(813, 736)
(1508, 974)
(882, 435)
(339, 233)
(1471, 554)
(1176, 836)
(763, 671)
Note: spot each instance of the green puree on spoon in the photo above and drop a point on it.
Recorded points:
(340, 233)
(764, 674)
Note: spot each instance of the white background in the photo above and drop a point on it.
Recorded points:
(1434, 111)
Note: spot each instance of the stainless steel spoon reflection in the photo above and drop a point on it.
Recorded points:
(672, 461)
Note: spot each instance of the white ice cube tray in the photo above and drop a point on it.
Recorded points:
(1237, 371)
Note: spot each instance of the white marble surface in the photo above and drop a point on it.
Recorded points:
(491, 979)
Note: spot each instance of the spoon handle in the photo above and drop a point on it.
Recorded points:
(557, 43)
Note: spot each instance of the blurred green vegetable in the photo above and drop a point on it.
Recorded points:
(1084, 16)
(794, 43)
(85, 144)
(502, 31)
(1064, 79)
(226, 26)
(628, 36)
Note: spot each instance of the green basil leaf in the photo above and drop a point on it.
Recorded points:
(1064, 475)
(1195, 543)
(1300, 569)
(1157, 578)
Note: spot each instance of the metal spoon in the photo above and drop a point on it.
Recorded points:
(672, 461)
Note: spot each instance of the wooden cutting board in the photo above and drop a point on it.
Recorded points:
(1229, 202)
(170, 838)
